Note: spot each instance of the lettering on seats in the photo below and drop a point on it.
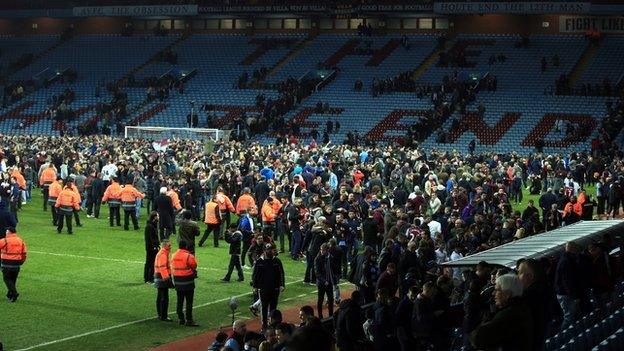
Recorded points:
(377, 55)
(487, 135)
(263, 47)
(585, 123)
(391, 123)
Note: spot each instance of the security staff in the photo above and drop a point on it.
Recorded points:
(184, 271)
(66, 203)
(112, 195)
(54, 189)
(74, 188)
(162, 280)
(212, 218)
(129, 194)
(268, 281)
(12, 256)
(45, 179)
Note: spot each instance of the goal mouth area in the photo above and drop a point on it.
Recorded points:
(161, 133)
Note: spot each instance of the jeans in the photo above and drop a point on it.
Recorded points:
(139, 203)
(162, 303)
(570, 309)
(268, 299)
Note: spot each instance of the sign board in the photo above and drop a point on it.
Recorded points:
(535, 7)
(579, 24)
(136, 11)
(337, 9)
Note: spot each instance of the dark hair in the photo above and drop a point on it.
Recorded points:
(186, 214)
(152, 216)
(310, 338)
(183, 244)
(536, 268)
(307, 310)
(233, 226)
(221, 337)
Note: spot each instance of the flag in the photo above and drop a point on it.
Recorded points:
(161, 146)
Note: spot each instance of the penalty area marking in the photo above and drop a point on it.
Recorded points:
(98, 331)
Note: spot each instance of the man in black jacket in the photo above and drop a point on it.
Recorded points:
(234, 238)
(268, 281)
(403, 317)
(164, 206)
(189, 230)
(94, 196)
(151, 247)
(349, 320)
(327, 275)
(568, 285)
(540, 299)
(511, 327)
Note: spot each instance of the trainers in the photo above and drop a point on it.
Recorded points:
(225, 280)
(241, 279)
(89, 216)
(191, 324)
(253, 311)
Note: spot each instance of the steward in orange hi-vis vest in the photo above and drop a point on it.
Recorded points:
(68, 201)
(162, 280)
(128, 195)
(12, 256)
(184, 271)
(112, 195)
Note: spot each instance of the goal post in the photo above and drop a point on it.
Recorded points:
(160, 133)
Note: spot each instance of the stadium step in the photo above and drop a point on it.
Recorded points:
(155, 58)
(580, 66)
(292, 53)
(428, 61)
(381, 54)
(345, 50)
(145, 116)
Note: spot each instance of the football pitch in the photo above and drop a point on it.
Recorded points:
(86, 292)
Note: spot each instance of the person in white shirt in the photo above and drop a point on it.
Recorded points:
(108, 171)
(434, 226)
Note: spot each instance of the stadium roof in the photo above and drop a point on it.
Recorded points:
(541, 245)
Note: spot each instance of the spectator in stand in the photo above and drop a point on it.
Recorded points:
(512, 311)
(568, 284)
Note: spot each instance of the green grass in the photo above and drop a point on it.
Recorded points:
(93, 280)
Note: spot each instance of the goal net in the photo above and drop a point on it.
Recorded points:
(161, 133)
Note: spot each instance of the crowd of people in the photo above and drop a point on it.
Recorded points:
(382, 218)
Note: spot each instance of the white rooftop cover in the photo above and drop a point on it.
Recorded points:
(541, 245)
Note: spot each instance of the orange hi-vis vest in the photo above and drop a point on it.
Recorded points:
(54, 190)
(47, 177)
(212, 213)
(245, 202)
(21, 181)
(175, 199)
(162, 270)
(74, 188)
(112, 195)
(224, 202)
(12, 252)
(68, 200)
(183, 268)
(129, 194)
(268, 212)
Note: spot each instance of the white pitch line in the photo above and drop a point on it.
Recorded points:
(131, 323)
(130, 261)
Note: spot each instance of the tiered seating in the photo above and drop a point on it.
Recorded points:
(599, 330)
(96, 58)
(607, 62)
(517, 114)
